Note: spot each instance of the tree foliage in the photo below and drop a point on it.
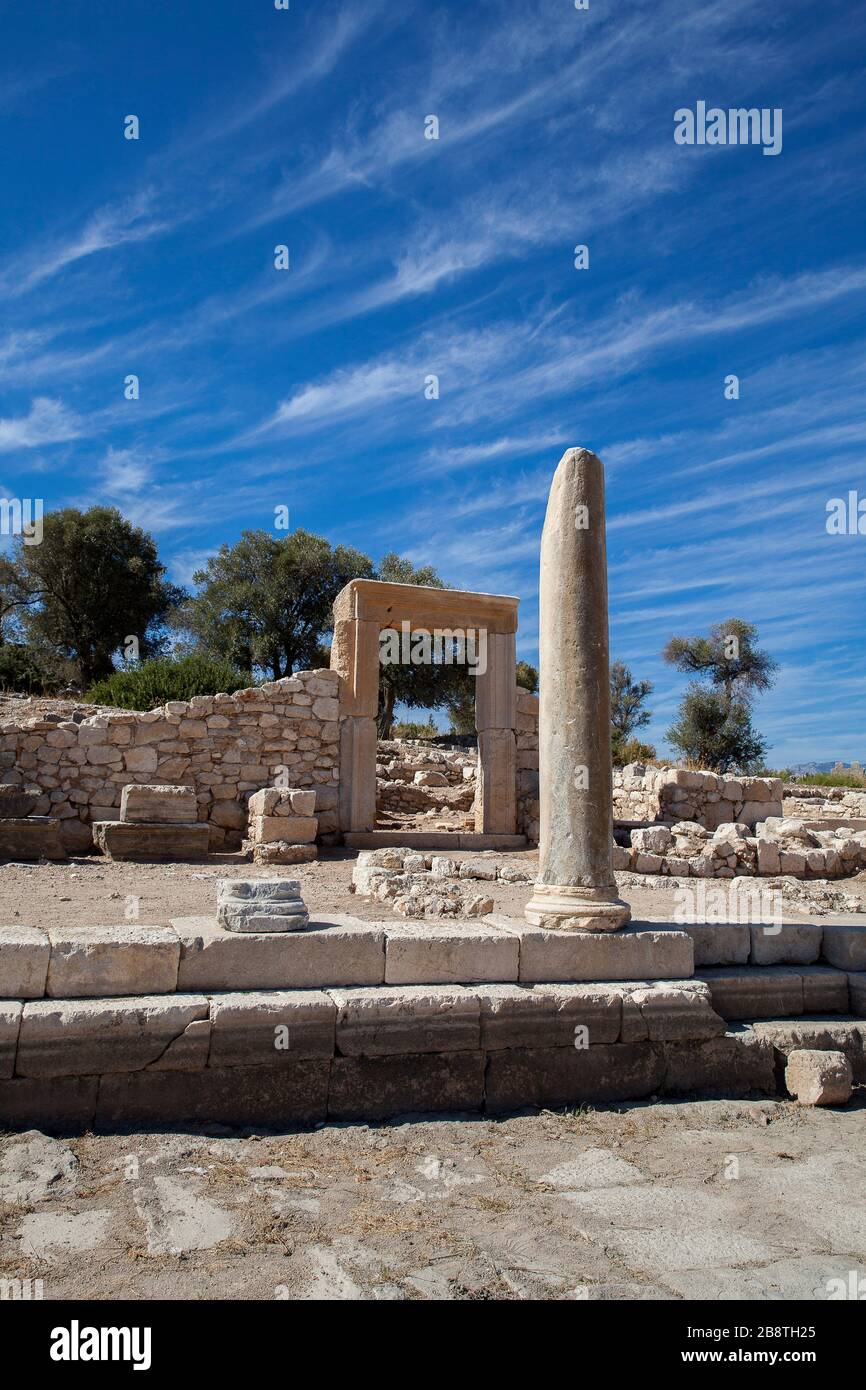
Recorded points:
(628, 713)
(94, 581)
(715, 727)
(152, 683)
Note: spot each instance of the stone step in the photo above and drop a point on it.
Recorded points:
(776, 991)
(787, 943)
(846, 1035)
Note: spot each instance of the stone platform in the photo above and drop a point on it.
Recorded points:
(135, 1025)
(161, 840)
(31, 838)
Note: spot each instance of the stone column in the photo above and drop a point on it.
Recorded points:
(355, 656)
(575, 889)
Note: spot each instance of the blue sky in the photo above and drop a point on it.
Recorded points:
(455, 257)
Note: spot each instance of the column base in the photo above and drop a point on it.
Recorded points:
(564, 908)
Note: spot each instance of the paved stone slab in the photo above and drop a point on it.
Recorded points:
(342, 951)
(754, 991)
(642, 951)
(137, 840)
(377, 1022)
(552, 1076)
(270, 1028)
(846, 1035)
(789, 944)
(90, 962)
(24, 955)
(719, 943)
(373, 1088)
(10, 1023)
(83, 1037)
(732, 1065)
(819, 1078)
(845, 947)
(295, 1094)
(155, 803)
(430, 953)
(548, 1015)
(36, 837)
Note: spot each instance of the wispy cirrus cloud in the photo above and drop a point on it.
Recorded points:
(48, 421)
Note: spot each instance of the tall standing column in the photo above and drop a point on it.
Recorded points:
(575, 889)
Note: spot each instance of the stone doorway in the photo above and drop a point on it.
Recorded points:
(364, 609)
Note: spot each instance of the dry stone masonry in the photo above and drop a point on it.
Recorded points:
(282, 826)
(22, 834)
(669, 794)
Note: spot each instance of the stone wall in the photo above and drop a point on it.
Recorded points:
(527, 765)
(666, 795)
(225, 746)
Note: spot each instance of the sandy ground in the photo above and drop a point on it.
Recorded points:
(95, 891)
(707, 1200)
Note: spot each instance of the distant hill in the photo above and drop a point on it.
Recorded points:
(817, 767)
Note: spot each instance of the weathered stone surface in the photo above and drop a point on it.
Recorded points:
(358, 773)
(261, 905)
(410, 1019)
(496, 791)
(10, 1022)
(294, 1094)
(846, 1035)
(372, 1088)
(548, 1015)
(496, 687)
(845, 947)
(37, 837)
(754, 991)
(16, 802)
(281, 852)
(341, 952)
(270, 1028)
(732, 1065)
(819, 1078)
(682, 1009)
(575, 889)
(857, 993)
(90, 962)
(571, 1076)
(425, 953)
(640, 952)
(24, 953)
(84, 1037)
(299, 830)
(138, 840)
(825, 990)
(719, 943)
(789, 944)
(153, 803)
(54, 1104)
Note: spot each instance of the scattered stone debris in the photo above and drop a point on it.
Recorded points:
(416, 884)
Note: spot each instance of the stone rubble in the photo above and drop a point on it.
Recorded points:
(416, 884)
(778, 846)
(672, 794)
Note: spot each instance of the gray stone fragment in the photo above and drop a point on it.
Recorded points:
(24, 955)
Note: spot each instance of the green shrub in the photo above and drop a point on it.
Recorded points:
(22, 670)
(412, 729)
(832, 779)
(166, 678)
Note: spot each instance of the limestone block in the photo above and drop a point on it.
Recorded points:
(731, 1065)
(10, 1023)
(495, 798)
(788, 944)
(153, 803)
(720, 943)
(294, 1094)
(751, 991)
(819, 1078)
(548, 1015)
(341, 952)
(825, 990)
(655, 839)
(264, 802)
(406, 1019)
(90, 962)
(24, 954)
(357, 774)
(17, 802)
(555, 1076)
(137, 840)
(825, 1034)
(84, 1037)
(844, 947)
(54, 1104)
(678, 1010)
(297, 830)
(769, 852)
(373, 1088)
(281, 852)
(422, 953)
(496, 687)
(36, 837)
(270, 1028)
(638, 952)
(355, 656)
